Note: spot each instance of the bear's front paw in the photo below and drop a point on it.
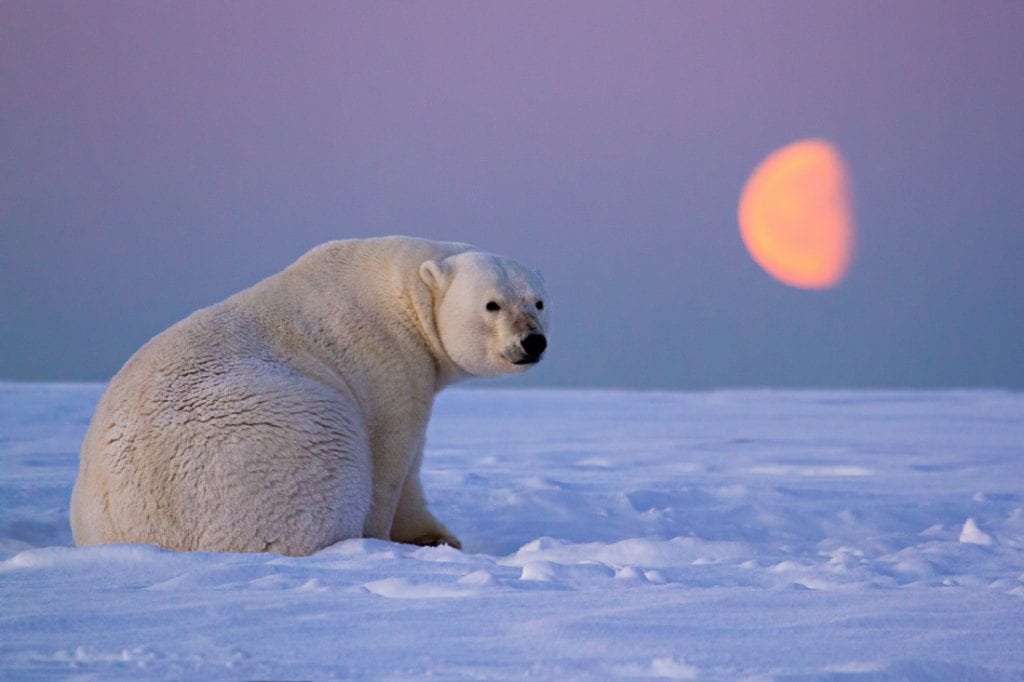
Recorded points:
(436, 540)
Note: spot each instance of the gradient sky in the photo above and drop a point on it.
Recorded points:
(156, 157)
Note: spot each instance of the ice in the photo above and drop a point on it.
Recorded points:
(791, 535)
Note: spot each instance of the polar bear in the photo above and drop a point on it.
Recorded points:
(292, 415)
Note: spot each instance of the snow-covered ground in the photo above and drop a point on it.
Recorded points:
(724, 535)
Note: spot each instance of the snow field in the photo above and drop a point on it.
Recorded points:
(726, 535)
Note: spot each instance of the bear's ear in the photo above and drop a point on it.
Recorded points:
(435, 274)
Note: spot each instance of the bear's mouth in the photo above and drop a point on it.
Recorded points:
(527, 361)
(516, 356)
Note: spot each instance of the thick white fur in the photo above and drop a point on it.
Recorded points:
(292, 415)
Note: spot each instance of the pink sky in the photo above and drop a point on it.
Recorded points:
(155, 157)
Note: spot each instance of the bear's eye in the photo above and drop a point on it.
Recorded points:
(540, 305)
(493, 307)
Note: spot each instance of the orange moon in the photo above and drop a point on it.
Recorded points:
(795, 215)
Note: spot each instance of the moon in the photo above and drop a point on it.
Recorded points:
(795, 215)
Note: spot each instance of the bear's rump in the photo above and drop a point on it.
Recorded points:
(282, 466)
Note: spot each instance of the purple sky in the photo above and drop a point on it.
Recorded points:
(158, 156)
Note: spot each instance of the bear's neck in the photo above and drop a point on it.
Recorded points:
(421, 305)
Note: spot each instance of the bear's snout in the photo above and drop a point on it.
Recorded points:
(533, 346)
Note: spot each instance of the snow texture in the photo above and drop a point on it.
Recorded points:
(790, 535)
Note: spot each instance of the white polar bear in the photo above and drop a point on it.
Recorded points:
(292, 415)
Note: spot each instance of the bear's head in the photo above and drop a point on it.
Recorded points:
(490, 312)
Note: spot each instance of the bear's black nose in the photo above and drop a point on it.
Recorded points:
(534, 344)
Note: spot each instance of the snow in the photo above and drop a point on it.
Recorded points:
(974, 535)
(791, 535)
